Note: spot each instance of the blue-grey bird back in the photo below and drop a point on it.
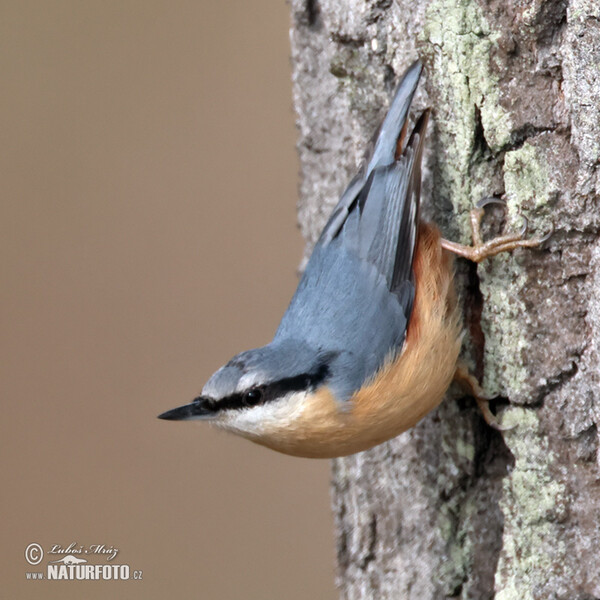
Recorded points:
(355, 297)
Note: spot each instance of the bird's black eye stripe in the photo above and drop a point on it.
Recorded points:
(304, 381)
(252, 397)
(208, 404)
(272, 391)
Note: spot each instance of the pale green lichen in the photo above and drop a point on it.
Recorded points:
(458, 545)
(528, 186)
(463, 36)
(533, 502)
(456, 525)
(527, 182)
(459, 42)
(465, 449)
(454, 519)
(501, 323)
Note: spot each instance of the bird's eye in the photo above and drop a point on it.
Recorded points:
(252, 397)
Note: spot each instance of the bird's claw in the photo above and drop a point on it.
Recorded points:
(490, 418)
(469, 382)
(525, 226)
(480, 250)
(548, 235)
(490, 200)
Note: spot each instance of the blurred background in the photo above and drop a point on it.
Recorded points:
(148, 178)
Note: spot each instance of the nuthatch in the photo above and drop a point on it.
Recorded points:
(370, 341)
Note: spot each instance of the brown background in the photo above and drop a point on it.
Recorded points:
(148, 178)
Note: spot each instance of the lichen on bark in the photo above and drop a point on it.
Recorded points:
(457, 41)
(451, 509)
(534, 502)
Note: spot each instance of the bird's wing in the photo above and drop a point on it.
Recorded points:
(382, 225)
(356, 294)
(387, 139)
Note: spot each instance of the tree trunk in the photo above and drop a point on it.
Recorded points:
(453, 509)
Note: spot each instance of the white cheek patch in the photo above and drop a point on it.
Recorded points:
(264, 419)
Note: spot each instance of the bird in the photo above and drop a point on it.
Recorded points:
(371, 339)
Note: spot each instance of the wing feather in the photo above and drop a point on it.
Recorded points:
(355, 297)
(384, 151)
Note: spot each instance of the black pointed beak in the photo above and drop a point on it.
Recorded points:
(198, 409)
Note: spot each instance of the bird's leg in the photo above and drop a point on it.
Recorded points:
(472, 387)
(481, 250)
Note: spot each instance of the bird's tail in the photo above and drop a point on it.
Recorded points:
(387, 147)
(390, 136)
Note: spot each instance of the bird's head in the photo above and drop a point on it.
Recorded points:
(259, 392)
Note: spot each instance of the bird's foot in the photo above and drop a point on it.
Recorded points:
(481, 250)
(472, 387)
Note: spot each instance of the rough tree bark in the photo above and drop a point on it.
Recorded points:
(452, 509)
